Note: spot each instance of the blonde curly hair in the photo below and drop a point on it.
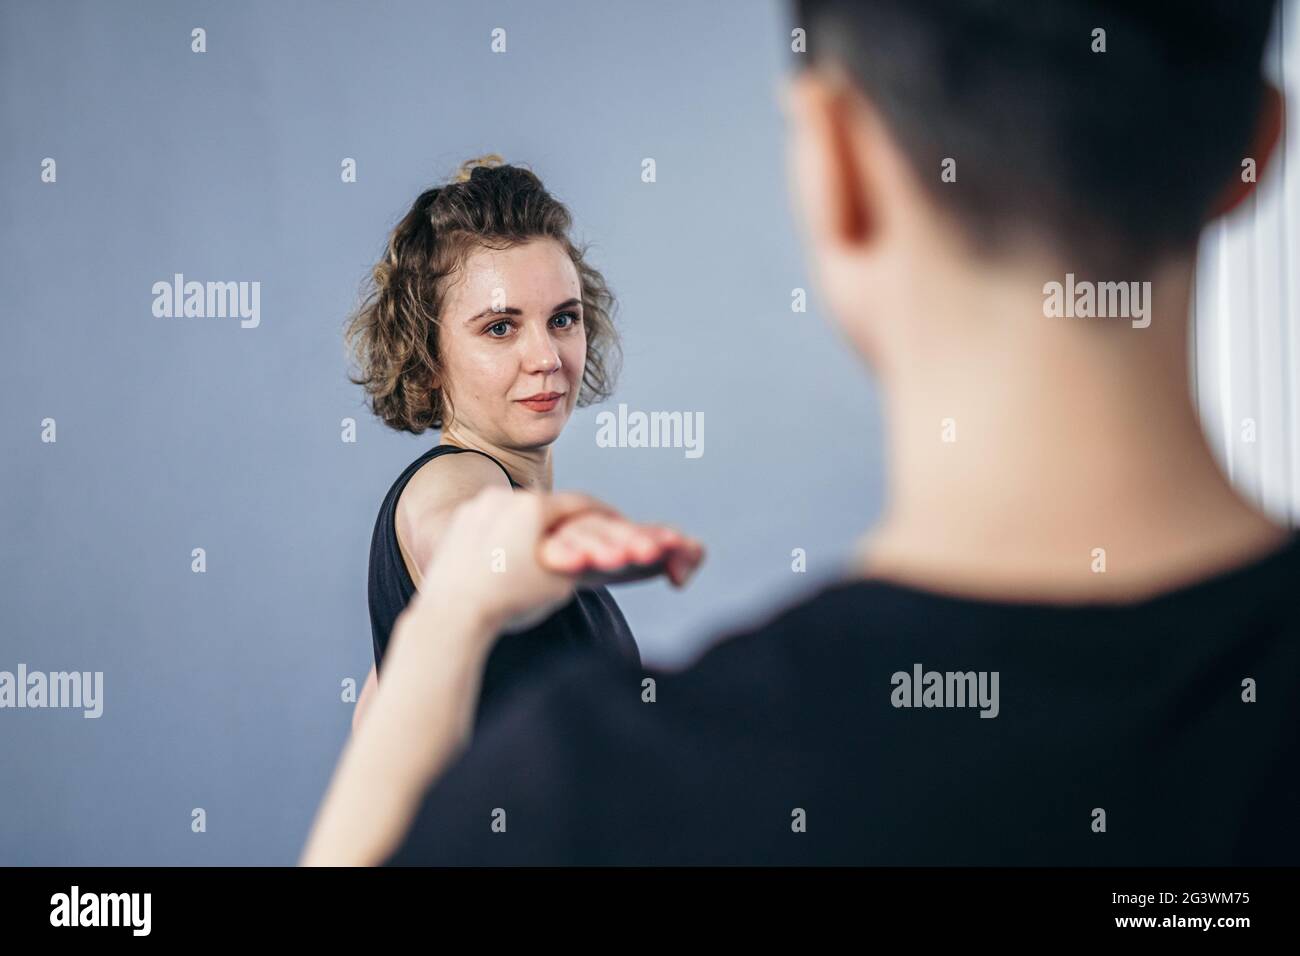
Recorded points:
(393, 334)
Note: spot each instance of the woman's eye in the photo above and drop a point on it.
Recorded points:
(572, 317)
(503, 326)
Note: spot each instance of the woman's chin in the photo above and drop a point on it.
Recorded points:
(544, 430)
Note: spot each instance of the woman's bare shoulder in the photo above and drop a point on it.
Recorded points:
(436, 489)
(447, 480)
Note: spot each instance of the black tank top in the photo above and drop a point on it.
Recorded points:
(591, 621)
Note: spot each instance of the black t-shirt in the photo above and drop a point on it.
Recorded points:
(1162, 732)
(591, 622)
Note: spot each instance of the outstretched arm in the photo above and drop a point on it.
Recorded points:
(419, 720)
(423, 711)
(366, 698)
(589, 545)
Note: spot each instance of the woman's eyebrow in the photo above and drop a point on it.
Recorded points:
(511, 310)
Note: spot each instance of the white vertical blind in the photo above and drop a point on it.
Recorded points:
(1246, 314)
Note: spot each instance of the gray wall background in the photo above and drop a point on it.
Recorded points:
(222, 690)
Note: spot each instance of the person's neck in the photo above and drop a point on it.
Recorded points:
(530, 467)
(1020, 444)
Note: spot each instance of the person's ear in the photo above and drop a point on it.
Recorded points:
(1268, 130)
(825, 160)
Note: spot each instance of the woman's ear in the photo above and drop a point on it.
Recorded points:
(1268, 130)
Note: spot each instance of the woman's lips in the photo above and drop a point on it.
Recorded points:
(542, 404)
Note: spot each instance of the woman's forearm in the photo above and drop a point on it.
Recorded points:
(420, 720)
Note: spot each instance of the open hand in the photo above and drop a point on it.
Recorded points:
(606, 548)
(513, 557)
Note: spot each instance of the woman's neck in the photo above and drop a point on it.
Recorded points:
(529, 467)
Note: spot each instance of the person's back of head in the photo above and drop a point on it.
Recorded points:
(1104, 132)
(1002, 203)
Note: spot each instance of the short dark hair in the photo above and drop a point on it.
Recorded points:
(1110, 157)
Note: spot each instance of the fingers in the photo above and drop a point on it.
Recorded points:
(632, 543)
(562, 551)
(681, 565)
(578, 533)
(684, 554)
(518, 510)
(598, 542)
(601, 541)
(562, 505)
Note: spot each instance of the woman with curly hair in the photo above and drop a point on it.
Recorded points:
(485, 322)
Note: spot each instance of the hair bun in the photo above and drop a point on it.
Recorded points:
(467, 168)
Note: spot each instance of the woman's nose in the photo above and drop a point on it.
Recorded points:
(542, 354)
(548, 363)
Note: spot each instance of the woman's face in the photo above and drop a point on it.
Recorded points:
(513, 344)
